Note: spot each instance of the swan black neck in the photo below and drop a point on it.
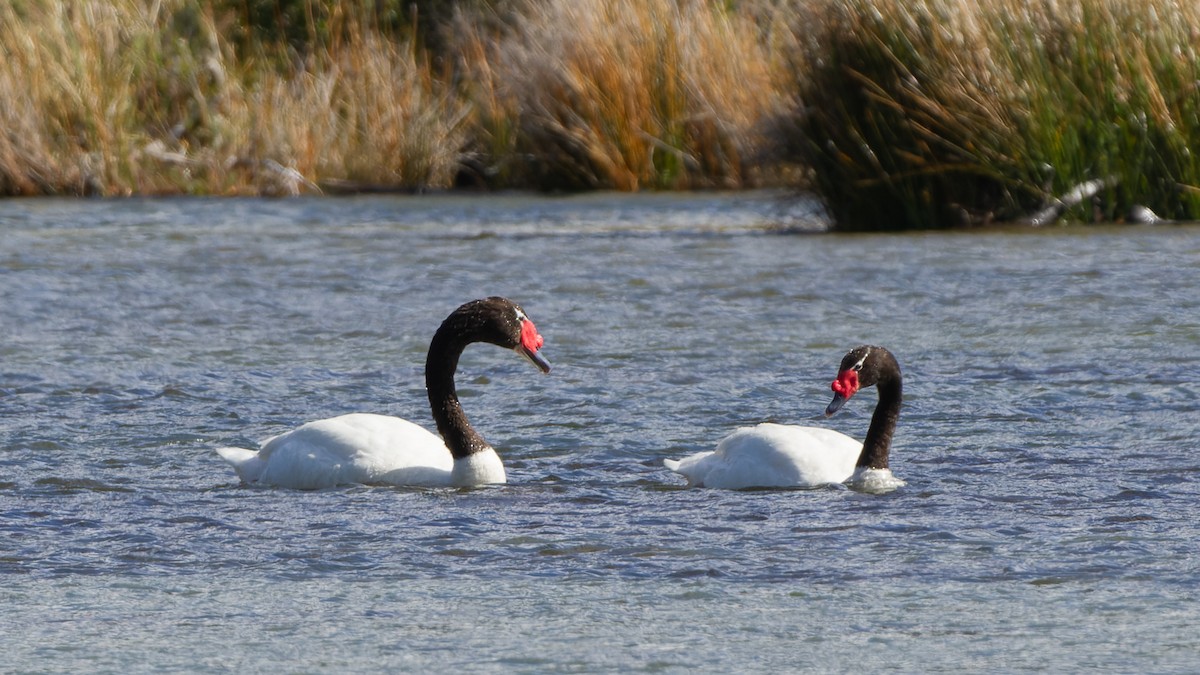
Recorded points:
(440, 366)
(492, 320)
(878, 442)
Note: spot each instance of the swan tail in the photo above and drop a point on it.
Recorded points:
(692, 468)
(247, 463)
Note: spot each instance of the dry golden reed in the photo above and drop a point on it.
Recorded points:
(624, 95)
(109, 98)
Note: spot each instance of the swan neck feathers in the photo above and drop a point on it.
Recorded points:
(492, 320)
(878, 442)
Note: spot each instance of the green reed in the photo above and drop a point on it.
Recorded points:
(939, 113)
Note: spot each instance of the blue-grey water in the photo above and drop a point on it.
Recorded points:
(1050, 434)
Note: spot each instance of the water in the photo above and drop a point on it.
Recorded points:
(1048, 438)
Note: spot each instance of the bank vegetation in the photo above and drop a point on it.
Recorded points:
(894, 113)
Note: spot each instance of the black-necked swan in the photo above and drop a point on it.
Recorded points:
(378, 449)
(776, 455)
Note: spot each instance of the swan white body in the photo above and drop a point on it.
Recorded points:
(361, 448)
(772, 455)
(777, 455)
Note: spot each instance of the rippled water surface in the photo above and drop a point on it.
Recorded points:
(1049, 439)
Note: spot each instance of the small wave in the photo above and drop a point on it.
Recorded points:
(76, 485)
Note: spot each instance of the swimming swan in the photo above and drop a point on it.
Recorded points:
(378, 449)
(776, 455)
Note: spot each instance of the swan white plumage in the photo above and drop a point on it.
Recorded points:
(776, 455)
(378, 449)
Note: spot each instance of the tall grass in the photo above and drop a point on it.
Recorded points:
(368, 112)
(1112, 92)
(69, 79)
(622, 95)
(129, 97)
(936, 113)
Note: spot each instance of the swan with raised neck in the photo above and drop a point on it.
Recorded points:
(775, 455)
(378, 449)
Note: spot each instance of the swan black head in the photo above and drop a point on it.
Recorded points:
(864, 366)
(497, 321)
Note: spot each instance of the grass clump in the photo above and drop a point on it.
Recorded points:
(660, 94)
(129, 96)
(68, 95)
(365, 113)
(937, 113)
(1112, 94)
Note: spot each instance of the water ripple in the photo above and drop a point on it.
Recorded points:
(1047, 445)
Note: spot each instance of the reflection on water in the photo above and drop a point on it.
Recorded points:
(1047, 436)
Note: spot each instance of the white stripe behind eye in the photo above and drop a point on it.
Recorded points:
(863, 360)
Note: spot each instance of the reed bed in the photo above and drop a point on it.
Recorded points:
(660, 94)
(134, 97)
(939, 113)
(895, 113)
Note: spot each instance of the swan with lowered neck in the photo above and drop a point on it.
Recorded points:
(378, 449)
(775, 455)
